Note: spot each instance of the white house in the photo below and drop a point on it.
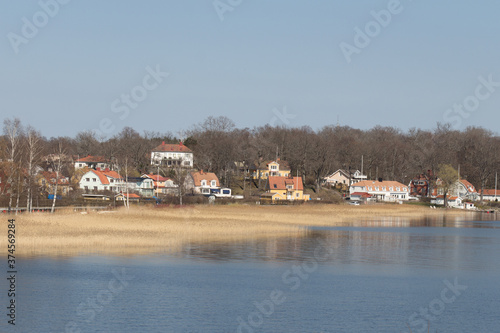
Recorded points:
(172, 155)
(162, 185)
(204, 183)
(92, 162)
(463, 189)
(386, 190)
(491, 195)
(142, 186)
(342, 176)
(97, 180)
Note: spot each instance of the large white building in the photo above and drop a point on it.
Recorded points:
(172, 155)
(386, 190)
(97, 180)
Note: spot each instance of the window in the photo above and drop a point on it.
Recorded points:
(111, 180)
(203, 182)
(213, 183)
(95, 188)
(297, 194)
(86, 188)
(274, 167)
(275, 186)
(94, 180)
(87, 179)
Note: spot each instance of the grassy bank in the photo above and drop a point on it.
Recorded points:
(143, 230)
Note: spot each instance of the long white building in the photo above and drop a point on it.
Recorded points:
(386, 190)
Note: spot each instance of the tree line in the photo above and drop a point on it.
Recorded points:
(220, 147)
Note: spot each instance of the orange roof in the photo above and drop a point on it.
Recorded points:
(280, 183)
(468, 185)
(362, 194)
(200, 175)
(93, 159)
(103, 176)
(386, 183)
(172, 147)
(156, 177)
(131, 195)
(490, 192)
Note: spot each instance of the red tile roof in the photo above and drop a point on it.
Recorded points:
(280, 183)
(468, 185)
(103, 176)
(156, 177)
(92, 159)
(200, 175)
(490, 192)
(362, 194)
(165, 147)
(384, 183)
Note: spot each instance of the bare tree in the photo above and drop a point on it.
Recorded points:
(33, 145)
(13, 130)
(57, 164)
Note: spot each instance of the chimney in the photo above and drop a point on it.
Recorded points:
(201, 172)
(163, 143)
(180, 143)
(98, 169)
(380, 180)
(106, 170)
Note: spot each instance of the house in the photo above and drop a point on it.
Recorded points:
(265, 169)
(102, 180)
(93, 162)
(131, 197)
(284, 188)
(162, 185)
(172, 155)
(381, 190)
(47, 182)
(490, 195)
(142, 186)
(202, 182)
(361, 197)
(342, 176)
(463, 189)
(454, 202)
(424, 185)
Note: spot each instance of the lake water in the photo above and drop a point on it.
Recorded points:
(385, 276)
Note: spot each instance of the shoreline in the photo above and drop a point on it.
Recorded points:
(140, 231)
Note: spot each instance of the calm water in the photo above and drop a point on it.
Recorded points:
(371, 277)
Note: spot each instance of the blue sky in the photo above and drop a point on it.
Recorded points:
(267, 62)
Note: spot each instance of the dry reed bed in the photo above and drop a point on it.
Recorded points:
(147, 230)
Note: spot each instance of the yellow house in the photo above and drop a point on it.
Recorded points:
(47, 183)
(285, 188)
(271, 168)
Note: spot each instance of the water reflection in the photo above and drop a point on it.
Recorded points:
(448, 243)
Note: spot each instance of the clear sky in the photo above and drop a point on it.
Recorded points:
(87, 64)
